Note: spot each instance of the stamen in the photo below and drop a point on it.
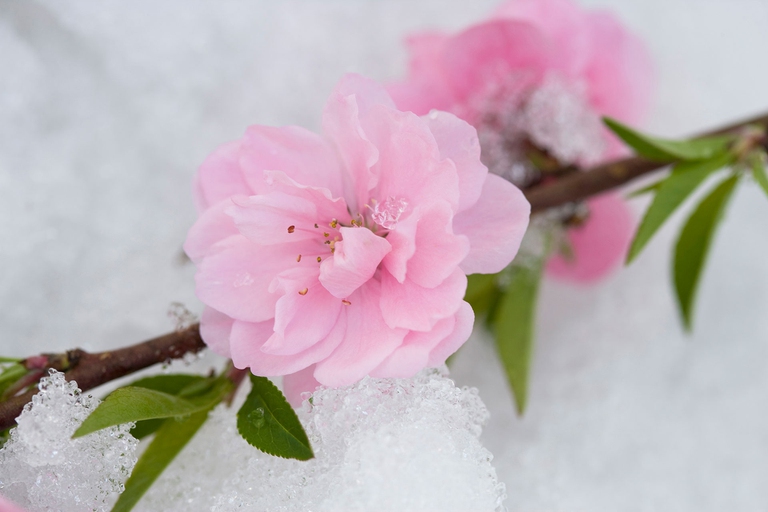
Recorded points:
(304, 291)
(334, 223)
(291, 229)
(319, 259)
(316, 225)
(298, 258)
(346, 302)
(327, 242)
(326, 235)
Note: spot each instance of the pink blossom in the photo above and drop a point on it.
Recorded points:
(326, 258)
(9, 506)
(540, 71)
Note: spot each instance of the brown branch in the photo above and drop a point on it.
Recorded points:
(577, 186)
(91, 370)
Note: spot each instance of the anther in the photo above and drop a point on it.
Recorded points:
(334, 223)
(319, 259)
(298, 258)
(327, 242)
(291, 229)
(316, 225)
(346, 302)
(304, 291)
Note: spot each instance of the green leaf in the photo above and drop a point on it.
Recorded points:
(673, 191)
(267, 421)
(173, 384)
(135, 403)
(514, 324)
(758, 171)
(663, 149)
(653, 187)
(144, 428)
(482, 292)
(10, 375)
(168, 442)
(693, 245)
(9, 359)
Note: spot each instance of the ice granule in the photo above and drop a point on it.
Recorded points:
(380, 445)
(42, 468)
(557, 117)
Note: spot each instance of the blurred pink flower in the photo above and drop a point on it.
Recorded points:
(9, 506)
(328, 258)
(542, 71)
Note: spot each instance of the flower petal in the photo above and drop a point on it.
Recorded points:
(296, 384)
(211, 227)
(367, 340)
(494, 226)
(354, 261)
(301, 154)
(220, 177)
(462, 329)
(235, 279)
(600, 244)
(410, 306)
(215, 328)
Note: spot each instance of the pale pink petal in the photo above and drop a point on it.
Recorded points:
(297, 384)
(341, 123)
(600, 244)
(402, 238)
(427, 87)
(490, 51)
(354, 261)
(495, 226)
(215, 328)
(220, 177)
(235, 279)
(457, 140)
(367, 340)
(303, 317)
(8, 506)
(328, 207)
(439, 251)
(304, 156)
(462, 329)
(247, 339)
(409, 165)
(412, 356)
(620, 71)
(211, 227)
(410, 306)
(562, 21)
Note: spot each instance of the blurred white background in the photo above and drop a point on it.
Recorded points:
(106, 109)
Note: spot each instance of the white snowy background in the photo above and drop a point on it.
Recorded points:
(106, 109)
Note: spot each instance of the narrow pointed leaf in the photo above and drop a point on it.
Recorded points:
(169, 440)
(694, 243)
(134, 404)
(669, 150)
(267, 421)
(673, 191)
(758, 171)
(482, 292)
(9, 359)
(10, 375)
(653, 187)
(514, 326)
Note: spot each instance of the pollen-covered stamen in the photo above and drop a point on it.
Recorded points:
(346, 302)
(291, 229)
(303, 291)
(298, 258)
(387, 213)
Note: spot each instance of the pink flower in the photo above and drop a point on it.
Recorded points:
(541, 72)
(328, 258)
(9, 506)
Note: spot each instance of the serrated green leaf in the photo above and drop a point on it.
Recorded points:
(129, 404)
(673, 191)
(758, 171)
(267, 421)
(653, 187)
(169, 440)
(655, 148)
(514, 327)
(694, 243)
(482, 292)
